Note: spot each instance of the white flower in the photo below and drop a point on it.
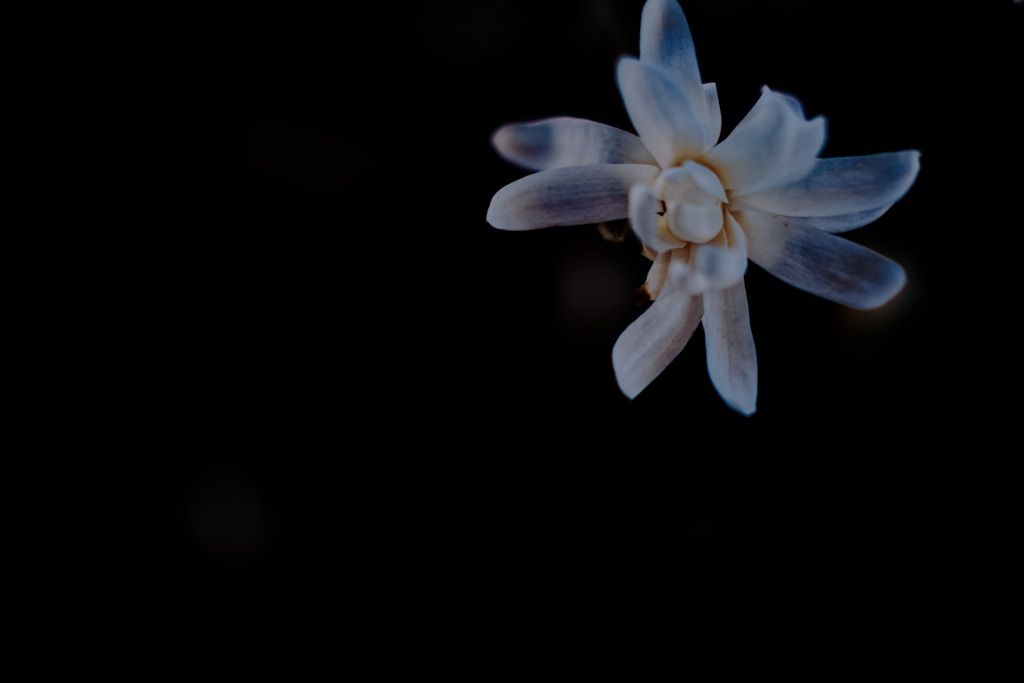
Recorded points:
(702, 207)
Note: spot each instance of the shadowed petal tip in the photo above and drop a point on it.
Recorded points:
(896, 280)
(628, 383)
(494, 211)
(915, 155)
(493, 218)
(744, 409)
(502, 139)
(625, 62)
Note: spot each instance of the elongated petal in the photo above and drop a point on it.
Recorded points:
(666, 43)
(732, 359)
(565, 141)
(670, 123)
(654, 339)
(567, 196)
(820, 263)
(841, 185)
(645, 221)
(773, 145)
(714, 120)
(842, 223)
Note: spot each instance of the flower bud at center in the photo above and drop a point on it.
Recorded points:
(693, 198)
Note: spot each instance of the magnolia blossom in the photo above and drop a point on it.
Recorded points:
(702, 207)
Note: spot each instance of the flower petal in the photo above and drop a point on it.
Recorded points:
(842, 223)
(567, 196)
(648, 225)
(773, 145)
(722, 262)
(695, 222)
(714, 119)
(820, 263)
(565, 141)
(657, 274)
(654, 339)
(666, 43)
(841, 185)
(681, 273)
(732, 358)
(693, 183)
(670, 123)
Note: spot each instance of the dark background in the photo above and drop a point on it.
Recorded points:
(301, 411)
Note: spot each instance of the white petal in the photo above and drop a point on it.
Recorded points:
(657, 274)
(670, 123)
(682, 273)
(695, 222)
(722, 262)
(841, 223)
(820, 263)
(666, 43)
(567, 196)
(564, 141)
(645, 221)
(842, 185)
(732, 359)
(714, 120)
(654, 339)
(692, 183)
(773, 145)
(643, 215)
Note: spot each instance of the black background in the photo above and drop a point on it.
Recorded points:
(304, 412)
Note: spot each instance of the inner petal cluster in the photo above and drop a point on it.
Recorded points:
(693, 197)
(686, 229)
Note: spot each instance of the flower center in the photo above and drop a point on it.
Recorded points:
(688, 232)
(693, 202)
